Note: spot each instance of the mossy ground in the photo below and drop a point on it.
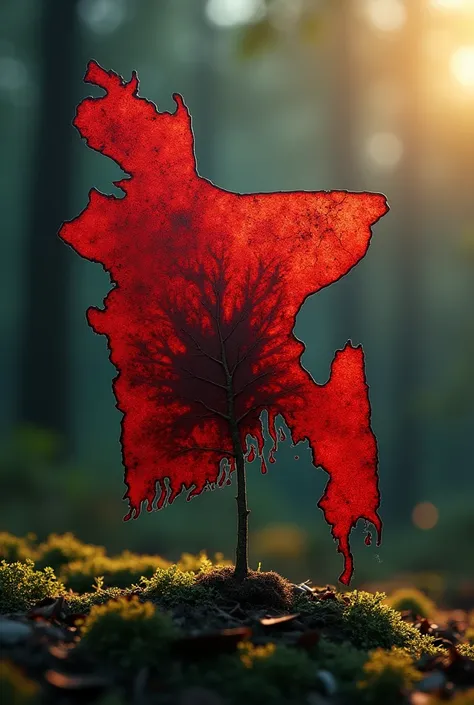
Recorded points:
(130, 628)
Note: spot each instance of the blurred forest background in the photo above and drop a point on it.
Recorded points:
(284, 95)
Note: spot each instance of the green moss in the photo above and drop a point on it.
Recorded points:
(15, 687)
(82, 604)
(128, 634)
(413, 600)
(170, 586)
(369, 624)
(466, 650)
(365, 621)
(344, 661)
(258, 674)
(387, 675)
(60, 549)
(21, 586)
(13, 548)
(122, 571)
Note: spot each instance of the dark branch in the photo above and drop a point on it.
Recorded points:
(204, 379)
(214, 411)
(254, 379)
(206, 354)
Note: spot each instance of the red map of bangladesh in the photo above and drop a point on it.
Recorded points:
(200, 322)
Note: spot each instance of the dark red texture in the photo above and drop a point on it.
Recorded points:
(198, 271)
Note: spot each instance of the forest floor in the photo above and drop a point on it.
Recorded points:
(77, 626)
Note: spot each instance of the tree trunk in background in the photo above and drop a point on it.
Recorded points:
(406, 474)
(43, 385)
(344, 169)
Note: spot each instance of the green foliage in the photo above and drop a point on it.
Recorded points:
(387, 675)
(411, 599)
(122, 571)
(13, 548)
(60, 549)
(171, 586)
(21, 586)
(128, 633)
(15, 687)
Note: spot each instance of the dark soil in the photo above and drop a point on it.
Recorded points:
(268, 589)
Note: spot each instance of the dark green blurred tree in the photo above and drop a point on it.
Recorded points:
(44, 380)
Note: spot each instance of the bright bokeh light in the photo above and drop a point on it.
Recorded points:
(102, 16)
(462, 65)
(13, 74)
(385, 149)
(282, 540)
(462, 5)
(227, 13)
(386, 15)
(425, 515)
(448, 4)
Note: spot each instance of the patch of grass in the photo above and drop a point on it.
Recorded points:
(258, 588)
(387, 676)
(61, 549)
(15, 687)
(21, 586)
(411, 599)
(128, 634)
(122, 571)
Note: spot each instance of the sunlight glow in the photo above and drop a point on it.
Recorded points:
(425, 515)
(462, 65)
(228, 13)
(386, 15)
(385, 149)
